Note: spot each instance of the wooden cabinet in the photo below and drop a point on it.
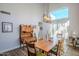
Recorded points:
(26, 34)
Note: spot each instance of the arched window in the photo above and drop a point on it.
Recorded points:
(59, 14)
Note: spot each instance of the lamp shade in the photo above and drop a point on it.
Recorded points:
(47, 19)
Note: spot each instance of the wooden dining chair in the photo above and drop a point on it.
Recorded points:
(32, 51)
(59, 48)
(26, 34)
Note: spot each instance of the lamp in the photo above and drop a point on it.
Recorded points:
(47, 19)
(36, 31)
(74, 34)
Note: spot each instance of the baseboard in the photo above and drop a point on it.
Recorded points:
(77, 45)
(9, 49)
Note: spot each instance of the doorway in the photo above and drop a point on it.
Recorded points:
(59, 29)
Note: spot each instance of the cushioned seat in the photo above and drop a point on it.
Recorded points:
(40, 54)
(54, 49)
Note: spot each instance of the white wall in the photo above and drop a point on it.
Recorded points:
(73, 15)
(20, 14)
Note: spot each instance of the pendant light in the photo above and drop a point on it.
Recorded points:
(47, 19)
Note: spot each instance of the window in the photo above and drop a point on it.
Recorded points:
(59, 14)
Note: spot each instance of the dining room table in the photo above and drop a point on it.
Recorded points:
(45, 45)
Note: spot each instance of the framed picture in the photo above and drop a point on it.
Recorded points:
(7, 27)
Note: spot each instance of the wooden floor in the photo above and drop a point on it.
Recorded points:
(68, 51)
(16, 52)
